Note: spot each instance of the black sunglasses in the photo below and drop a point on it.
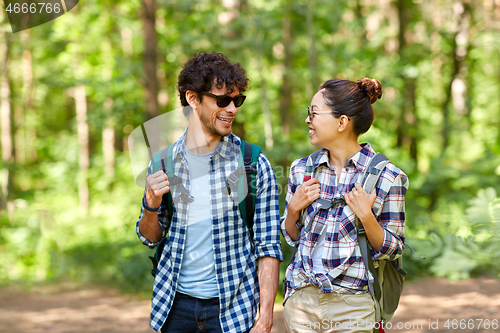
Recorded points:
(225, 100)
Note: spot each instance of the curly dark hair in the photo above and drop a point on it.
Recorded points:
(206, 70)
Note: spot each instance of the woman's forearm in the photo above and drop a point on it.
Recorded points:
(374, 231)
(291, 219)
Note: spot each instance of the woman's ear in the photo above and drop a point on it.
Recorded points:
(343, 122)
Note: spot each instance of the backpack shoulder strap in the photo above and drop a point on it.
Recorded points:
(250, 153)
(308, 173)
(369, 180)
(159, 159)
(156, 161)
(372, 173)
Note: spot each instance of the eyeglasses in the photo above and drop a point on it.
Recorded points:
(311, 113)
(225, 100)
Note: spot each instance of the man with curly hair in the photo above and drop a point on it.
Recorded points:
(207, 278)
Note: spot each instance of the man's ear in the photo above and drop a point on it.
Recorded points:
(192, 98)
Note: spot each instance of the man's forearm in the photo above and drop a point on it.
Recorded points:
(269, 269)
(149, 227)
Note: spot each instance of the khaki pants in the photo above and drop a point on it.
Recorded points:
(309, 310)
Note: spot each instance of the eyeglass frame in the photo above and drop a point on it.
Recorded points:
(219, 98)
(310, 113)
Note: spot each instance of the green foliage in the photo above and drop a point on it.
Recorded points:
(476, 251)
(100, 44)
(53, 241)
(456, 261)
(484, 211)
(484, 215)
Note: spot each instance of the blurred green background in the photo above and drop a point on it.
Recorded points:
(73, 89)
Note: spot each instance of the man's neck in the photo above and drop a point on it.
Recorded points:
(198, 141)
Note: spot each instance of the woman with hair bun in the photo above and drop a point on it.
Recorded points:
(326, 283)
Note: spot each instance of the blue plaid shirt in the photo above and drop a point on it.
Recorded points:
(234, 255)
(342, 261)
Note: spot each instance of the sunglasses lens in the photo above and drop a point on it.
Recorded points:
(238, 100)
(223, 101)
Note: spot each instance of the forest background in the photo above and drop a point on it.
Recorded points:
(72, 90)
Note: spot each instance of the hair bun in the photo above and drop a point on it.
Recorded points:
(372, 87)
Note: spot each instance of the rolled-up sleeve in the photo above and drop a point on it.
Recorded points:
(392, 219)
(266, 216)
(162, 216)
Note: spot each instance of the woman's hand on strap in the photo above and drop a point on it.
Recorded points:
(305, 195)
(360, 202)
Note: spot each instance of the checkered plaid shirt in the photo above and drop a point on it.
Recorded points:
(234, 255)
(345, 271)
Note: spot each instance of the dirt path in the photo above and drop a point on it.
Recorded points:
(425, 307)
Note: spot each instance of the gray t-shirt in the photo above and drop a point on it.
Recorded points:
(197, 277)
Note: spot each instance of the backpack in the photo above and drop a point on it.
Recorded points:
(247, 166)
(389, 276)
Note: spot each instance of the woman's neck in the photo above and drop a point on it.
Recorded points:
(341, 152)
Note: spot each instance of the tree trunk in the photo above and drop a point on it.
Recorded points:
(460, 85)
(27, 71)
(31, 142)
(407, 131)
(458, 53)
(19, 136)
(268, 129)
(401, 130)
(83, 139)
(335, 19)
(108, 148)
(361, 19)
(498, 132)
(232, 32)
(127, 46)
(313, 86)
(27, 93)
(286, 90)
(411, 117)
(150, 42)
(6, 124)
(403, 21)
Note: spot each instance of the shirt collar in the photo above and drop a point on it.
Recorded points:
(227, 148)
(359, 160)
(322, 158)
(179, 145)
